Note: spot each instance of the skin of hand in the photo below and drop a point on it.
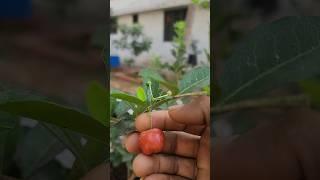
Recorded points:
(285, 149)
(101, 172)
(186, 153)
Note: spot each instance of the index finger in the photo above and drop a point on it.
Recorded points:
(160, 119)
(191, 118)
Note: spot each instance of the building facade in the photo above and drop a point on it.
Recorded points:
(157, 18)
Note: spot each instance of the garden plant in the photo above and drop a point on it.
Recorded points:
(133, 40)
(156, 92)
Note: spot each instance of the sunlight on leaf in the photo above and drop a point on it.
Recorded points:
(141, 94)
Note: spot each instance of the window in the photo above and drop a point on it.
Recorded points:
(170, 18)
(113, 28)
(135, 19)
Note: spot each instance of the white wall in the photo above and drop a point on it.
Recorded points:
(200, 31)
(153, 23)
(123, 7)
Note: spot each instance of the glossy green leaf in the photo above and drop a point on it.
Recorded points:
(286, 50)
(127, 97)
(58, 115)
(196, 78)
(97, 102)
(141, 94)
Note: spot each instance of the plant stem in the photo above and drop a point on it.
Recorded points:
(287, 101)
(150, 117)
(153, 106)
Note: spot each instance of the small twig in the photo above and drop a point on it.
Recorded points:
(287, 101)
(201, 93)
(158, 103)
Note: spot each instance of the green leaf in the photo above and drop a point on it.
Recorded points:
(196, 78)
(97, 102)
(155, 89)
(207, 90)
(149, 73)
(58, 115)
(286, 50)
(127, 97)
(141, 94)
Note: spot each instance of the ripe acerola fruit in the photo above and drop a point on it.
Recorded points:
(151, 141)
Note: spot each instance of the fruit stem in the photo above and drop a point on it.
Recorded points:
(150, 118)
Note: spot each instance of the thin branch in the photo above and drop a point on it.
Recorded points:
(201, 93)
(282, 102)
(158, 103)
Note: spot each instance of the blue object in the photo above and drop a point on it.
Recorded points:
(15, 9)
(114, 61)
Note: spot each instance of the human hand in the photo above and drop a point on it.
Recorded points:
(186, 152)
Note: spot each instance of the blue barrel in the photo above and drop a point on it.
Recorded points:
(15, 9)
(114, 61)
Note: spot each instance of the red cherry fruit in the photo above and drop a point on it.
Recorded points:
(151, 141)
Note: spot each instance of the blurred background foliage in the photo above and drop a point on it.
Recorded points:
(52, 51)
(236, 20)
